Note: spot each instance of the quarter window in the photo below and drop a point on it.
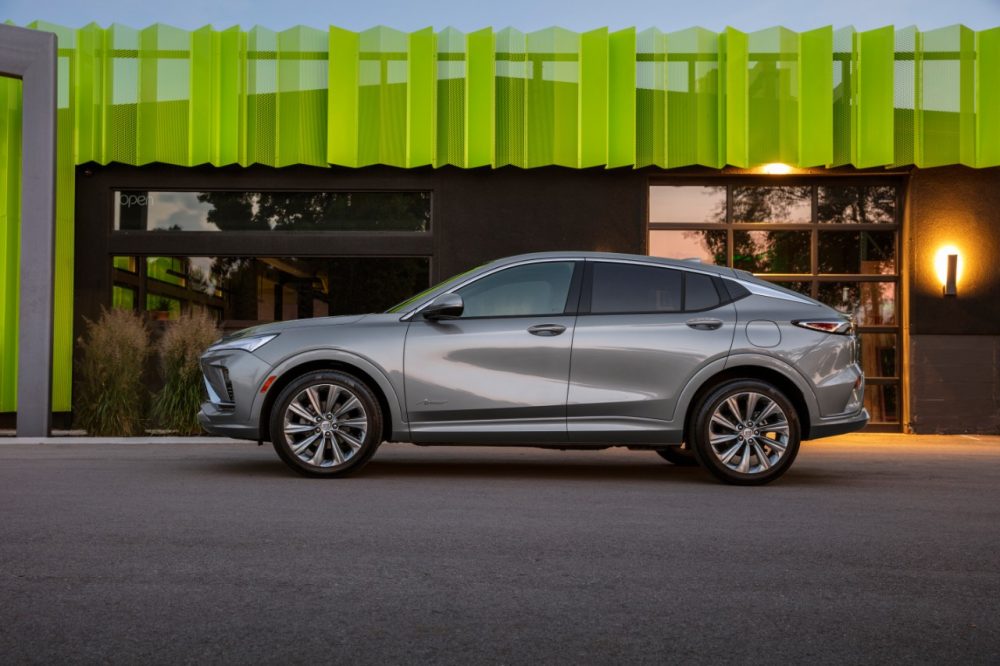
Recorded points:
(522, 291)
(699, 292)
(621, 288)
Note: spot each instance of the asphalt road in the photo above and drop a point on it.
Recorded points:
(869, 550)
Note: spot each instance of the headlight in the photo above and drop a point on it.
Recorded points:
(251, 343)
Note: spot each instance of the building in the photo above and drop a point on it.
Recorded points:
(265, 175)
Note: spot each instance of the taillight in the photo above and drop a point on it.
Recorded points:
(835, 326)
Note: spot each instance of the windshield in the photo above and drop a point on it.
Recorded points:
(408, 303)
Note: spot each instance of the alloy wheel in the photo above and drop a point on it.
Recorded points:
(325, 425)
(748, 432)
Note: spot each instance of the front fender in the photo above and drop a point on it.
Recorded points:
(400, 429)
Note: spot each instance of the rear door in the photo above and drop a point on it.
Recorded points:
(642, 334)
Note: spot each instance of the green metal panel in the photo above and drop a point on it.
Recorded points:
(10, 213)
(815, 96)
(342, 98)
(988, 102)
(511, 74)
(451, 80)
(621, 98)
(479, 92)
(554, 97)
(873, 97)
(592, 137)
(737, 129)
(421, 98)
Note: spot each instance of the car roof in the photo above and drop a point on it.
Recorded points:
(683, 264)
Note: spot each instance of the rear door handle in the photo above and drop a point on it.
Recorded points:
(547, 330)
(704, 324)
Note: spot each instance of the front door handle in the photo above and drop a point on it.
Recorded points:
(704, 324)
(547, 330)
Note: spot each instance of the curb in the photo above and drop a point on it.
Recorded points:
(35, 441)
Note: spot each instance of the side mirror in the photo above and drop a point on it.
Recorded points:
(445, 306)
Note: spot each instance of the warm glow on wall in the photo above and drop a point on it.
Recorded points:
(941, 269)
(776, 169)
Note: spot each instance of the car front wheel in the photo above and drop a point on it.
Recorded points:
(326, 423)
(745, 432)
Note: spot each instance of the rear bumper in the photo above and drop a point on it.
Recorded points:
(838, 425)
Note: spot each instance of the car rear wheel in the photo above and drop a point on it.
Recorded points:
(326, 423)
(745, 432)
(681, 455)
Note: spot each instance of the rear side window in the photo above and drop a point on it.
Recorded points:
(699, 292)
(620, 288)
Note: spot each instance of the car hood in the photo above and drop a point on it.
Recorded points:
(279, 326)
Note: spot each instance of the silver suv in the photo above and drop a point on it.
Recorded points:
(561, 350)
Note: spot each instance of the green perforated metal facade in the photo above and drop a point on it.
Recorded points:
(628, 99)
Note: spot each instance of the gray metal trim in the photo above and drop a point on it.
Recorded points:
(31, 56)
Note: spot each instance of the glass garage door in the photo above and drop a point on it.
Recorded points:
(836, 240)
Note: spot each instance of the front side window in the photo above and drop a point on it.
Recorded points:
(621, 288)
(521, 291)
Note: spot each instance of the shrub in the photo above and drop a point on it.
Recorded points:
(175, 407)
(112, 393)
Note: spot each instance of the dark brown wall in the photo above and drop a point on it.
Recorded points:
(486, 214)
(955, 342)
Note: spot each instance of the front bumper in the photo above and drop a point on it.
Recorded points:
(838, 425)
(220, 422)
(232, 378)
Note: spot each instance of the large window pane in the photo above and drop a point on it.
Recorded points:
(802, 287)
(243, 291)
(122, 297)
(687, 203)
(847, 204)
(878, 354)
(622, 288)
(521, 291)
(771, 251)
(272, 211)
(762, 203)
(708, 246)
(882, 401)
(862, 252)
(871, 303)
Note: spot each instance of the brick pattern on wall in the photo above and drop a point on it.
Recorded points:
(955, 383)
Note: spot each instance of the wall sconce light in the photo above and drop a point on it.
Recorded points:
(947, 267)
(951, 279)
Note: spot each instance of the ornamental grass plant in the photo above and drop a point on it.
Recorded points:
(175, 406)
(111, 394)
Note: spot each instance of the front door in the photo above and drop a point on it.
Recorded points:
(648, 331)
(500, 371)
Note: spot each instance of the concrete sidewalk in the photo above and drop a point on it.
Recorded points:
(862, 439)
(76, 439)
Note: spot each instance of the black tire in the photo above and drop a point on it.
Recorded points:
(680, 455)
(372, 415)
(701, 426)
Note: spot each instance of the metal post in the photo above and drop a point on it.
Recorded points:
(31, 55)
